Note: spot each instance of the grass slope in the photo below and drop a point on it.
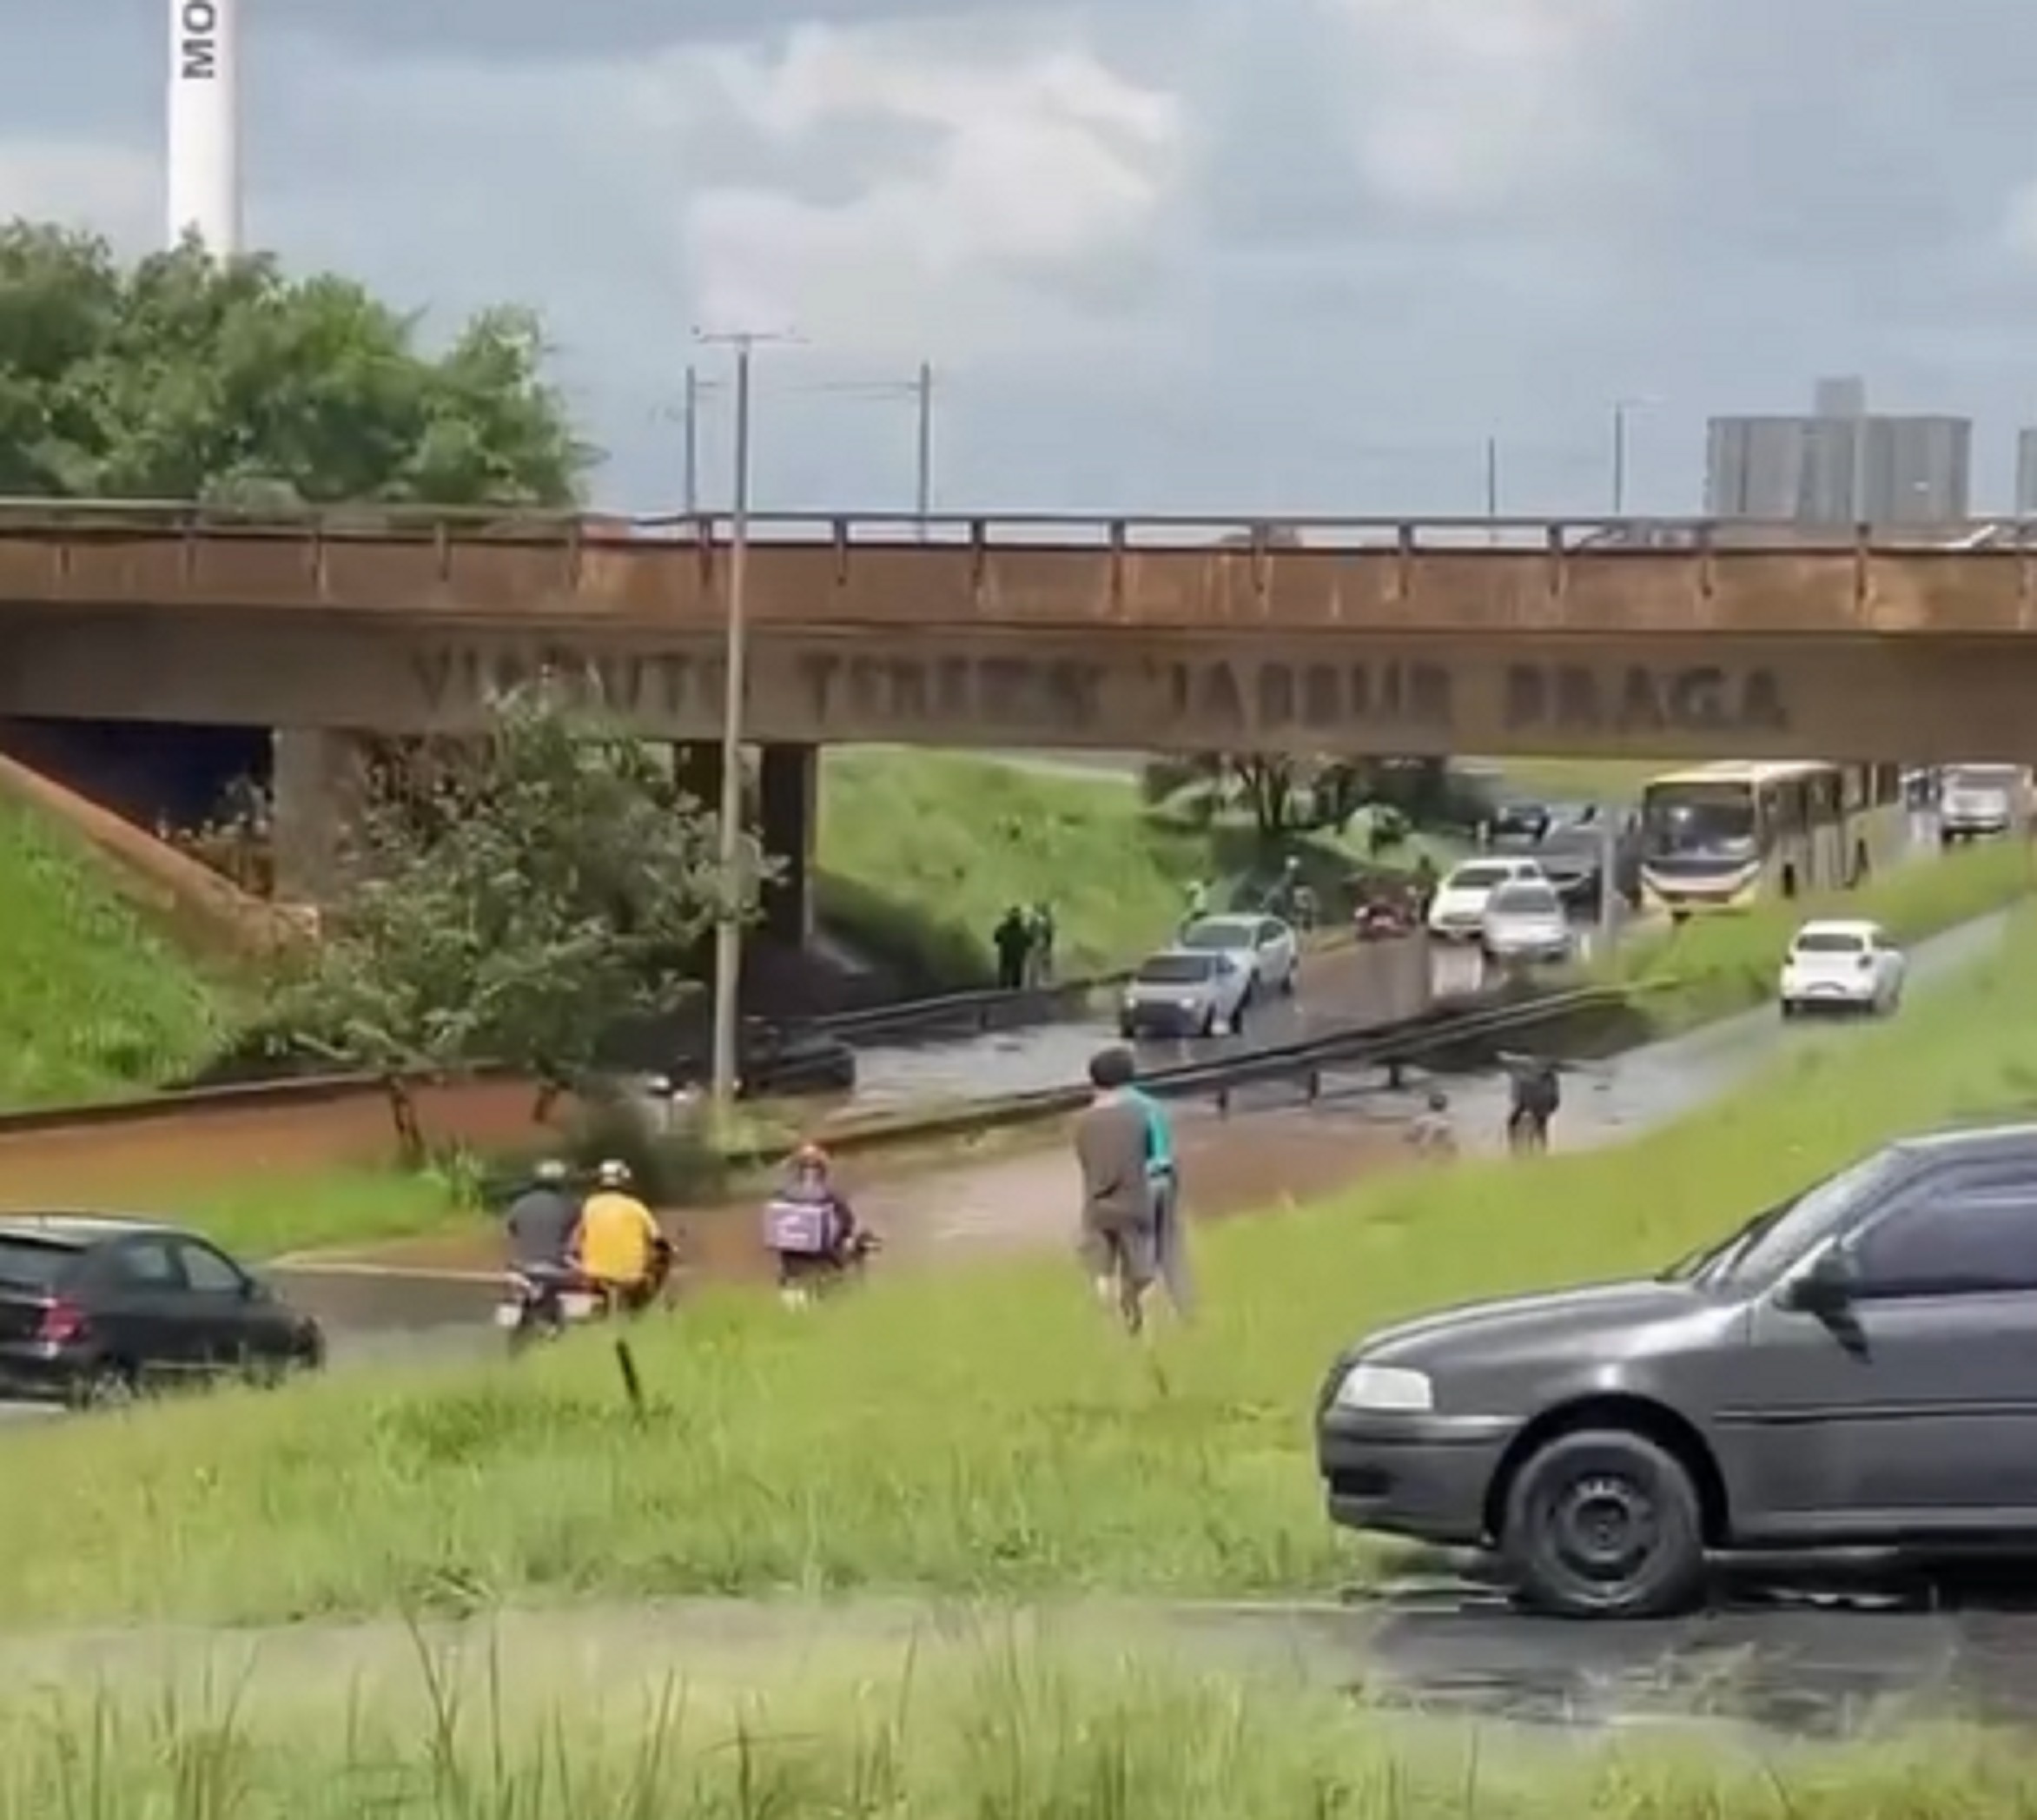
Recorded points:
(1721, 965)
(978, 1730)
(974, 1433)
(93, 1002)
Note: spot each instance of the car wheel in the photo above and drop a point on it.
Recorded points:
(1237, 1018)
(1124, 1029)
(1791, 1007)
(1287, 982)
(1604, 1524)
(1208, 1027)
(109, 1385)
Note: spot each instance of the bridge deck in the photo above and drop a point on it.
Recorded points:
(1432, 577)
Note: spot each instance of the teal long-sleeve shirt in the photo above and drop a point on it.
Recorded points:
(1160, 1156)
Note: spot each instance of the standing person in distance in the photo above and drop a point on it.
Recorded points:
(1114, 1147)
(1163, 1182)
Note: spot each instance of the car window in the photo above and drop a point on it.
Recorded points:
(1215, 936)
(1477, 878)
(1768, 1244)
(1176, 970)
(208, 1273)
(145, 1264)
(1830, 940)
(1974, 1233)
(31, 1264)
(1270, 932)
(1526, 900)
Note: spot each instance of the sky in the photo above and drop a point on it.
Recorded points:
(1221, 256)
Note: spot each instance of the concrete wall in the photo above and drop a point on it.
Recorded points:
(1919, 698)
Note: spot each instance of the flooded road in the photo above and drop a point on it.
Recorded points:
(1331, 997)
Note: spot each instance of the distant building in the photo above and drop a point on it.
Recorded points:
(2027, 474)
(1840, 465)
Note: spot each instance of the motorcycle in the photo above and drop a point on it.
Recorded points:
(542, 1304)
(1382, 922)
(807, 1278)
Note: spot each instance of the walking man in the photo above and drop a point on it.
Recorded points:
(1114, 1142)
(1163, 1181)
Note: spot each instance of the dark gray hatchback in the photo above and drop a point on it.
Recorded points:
(1855, 1367)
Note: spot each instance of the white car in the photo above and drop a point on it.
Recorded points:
(1525, 921)
(1842, 966)
(1185, 992)
(1458, 913)
(1264, 946)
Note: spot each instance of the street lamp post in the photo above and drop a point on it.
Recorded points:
(728, 928)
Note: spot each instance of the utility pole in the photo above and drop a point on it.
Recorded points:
(923, 497)
(1622, 409)
(728, 928)
(1492, 477)
(920, 389)
(692, 434)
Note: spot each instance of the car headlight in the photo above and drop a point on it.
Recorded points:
(1387, 1387)
(1188, 1004)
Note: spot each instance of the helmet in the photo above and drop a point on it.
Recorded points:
(551, 1172)
(614, 1174)
(810, 1156)
(1438, 1101)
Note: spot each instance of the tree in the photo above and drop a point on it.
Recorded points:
(186, 378)
(508, 899)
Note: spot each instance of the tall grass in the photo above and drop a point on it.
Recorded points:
(992, 1734)
(92, 1002)
(981, 1433)
(1724, 964)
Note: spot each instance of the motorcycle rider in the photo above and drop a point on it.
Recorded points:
(542, 1227)
(621, 1251)
(809, 1225)
(1432, 1134)
(1537, 1092)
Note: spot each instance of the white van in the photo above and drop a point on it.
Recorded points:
(1975, 800)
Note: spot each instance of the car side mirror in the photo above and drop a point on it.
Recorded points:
(254, 1289)
(1827, 1286)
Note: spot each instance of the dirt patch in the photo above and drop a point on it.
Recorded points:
(121, 1162)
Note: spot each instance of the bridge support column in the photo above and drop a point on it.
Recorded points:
(787, 789)
(311, 794)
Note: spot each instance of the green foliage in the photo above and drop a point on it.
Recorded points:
(184, 378)
(93, 1004)
(510, 898)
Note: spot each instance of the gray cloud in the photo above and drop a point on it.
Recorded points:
(1251, 253)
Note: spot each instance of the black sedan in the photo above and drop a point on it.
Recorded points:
(94, 1309)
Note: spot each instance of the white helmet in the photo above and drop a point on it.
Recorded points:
(614, 1174)
(551, 1172)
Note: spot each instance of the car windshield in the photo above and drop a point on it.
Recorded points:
(1699, 818)
(1981, 777)
(1768, 1244)
(1525, 900)
(1477, 878)
(30, 1264)
(1176, 970)
(1831, 941)
(1214, 936)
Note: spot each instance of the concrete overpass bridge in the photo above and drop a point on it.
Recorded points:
(1578, 637)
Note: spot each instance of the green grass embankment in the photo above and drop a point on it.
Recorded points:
(981, 1432)
(921, 853)
(1713, 966)
(94, 1003)
(991, 1728)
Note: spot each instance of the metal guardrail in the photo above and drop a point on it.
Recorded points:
(1306, 1062)
(1297, 1060)
(1265, 533)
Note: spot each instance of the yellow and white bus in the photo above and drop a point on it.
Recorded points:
(1723, 837)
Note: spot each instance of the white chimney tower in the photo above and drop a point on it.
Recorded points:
(205, 124)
